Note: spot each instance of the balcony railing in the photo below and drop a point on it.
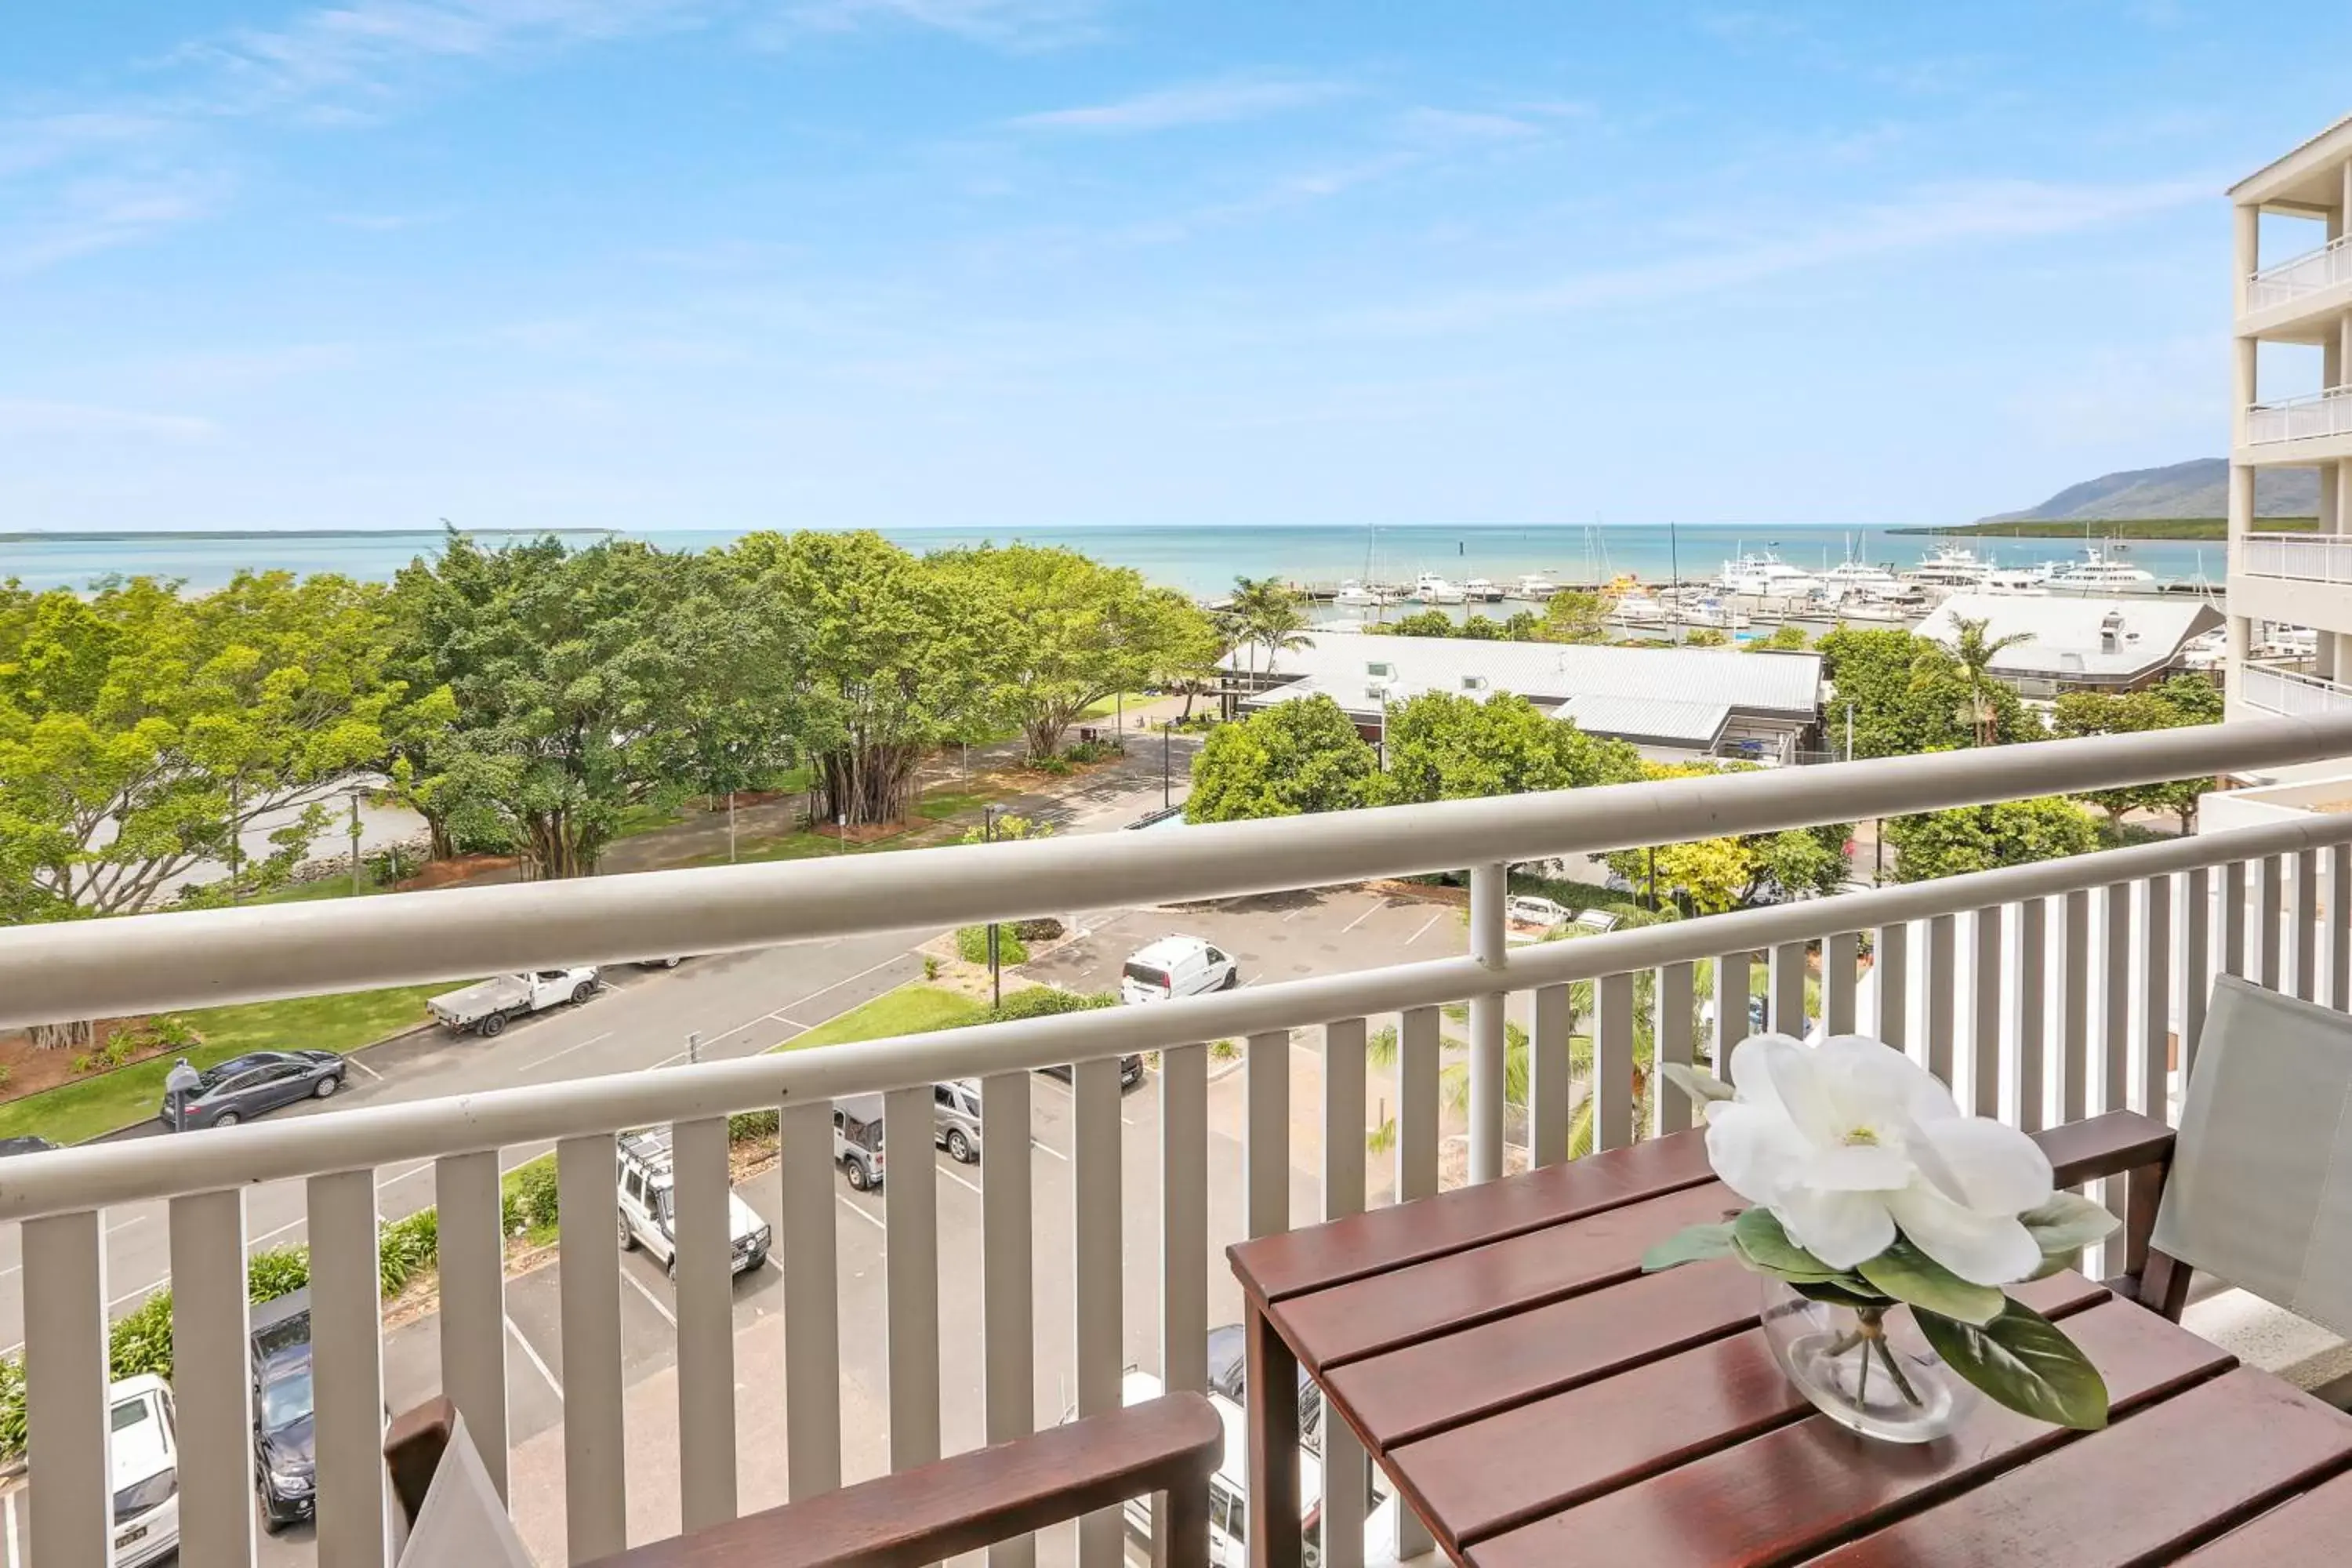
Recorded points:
(2043, 992)
(2293, 695)
(2301, 276)
(2307, 557)
(2328, 413)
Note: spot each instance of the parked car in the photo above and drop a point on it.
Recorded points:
(285, 1436)
(1176, 966)
(958, 1119)
(1130, 1071)
(485, 1007)
(857, 1141)
(242, 1088)
(671, 962)
(647, 1193)
(27, 1144)
(143, 1451)
(1229, 1375)
(1526, 908)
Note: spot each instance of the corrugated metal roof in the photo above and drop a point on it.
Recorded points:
(1698, 725)
(1783, 685)
(2069, 634)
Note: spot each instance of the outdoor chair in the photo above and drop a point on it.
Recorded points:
(1169, 1445)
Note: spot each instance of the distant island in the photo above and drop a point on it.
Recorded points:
(2178, 527)
(2183, 500)
(82, 536)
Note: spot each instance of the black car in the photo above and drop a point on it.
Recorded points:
(285, 1442)
(27, 1144)
(1229, 1375)
(242, 1088)
(1130, 1071)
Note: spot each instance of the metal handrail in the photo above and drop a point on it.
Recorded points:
(2278, 268)
(93, 1177)
(156, 963)
(2301, 400)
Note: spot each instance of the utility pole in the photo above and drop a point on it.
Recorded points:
(235, 833)
(355, 840)
(995, 973)
(730, 827)
(1167, 773)
(840, 831)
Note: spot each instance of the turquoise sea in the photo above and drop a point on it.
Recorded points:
(1201, 560)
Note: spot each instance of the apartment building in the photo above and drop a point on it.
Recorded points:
(2290, 604)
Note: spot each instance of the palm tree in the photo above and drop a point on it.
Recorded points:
(1976, 653)
(1267, 615)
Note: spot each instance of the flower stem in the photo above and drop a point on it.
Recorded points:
(1871, 1329)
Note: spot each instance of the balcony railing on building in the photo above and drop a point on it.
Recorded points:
(2043, 992)
(2295, 695)
(2301, 276)
(2328, 413)
(2306, 557)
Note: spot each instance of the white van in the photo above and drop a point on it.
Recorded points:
(145, 1450)
(1229, 1493)
(1176, 966)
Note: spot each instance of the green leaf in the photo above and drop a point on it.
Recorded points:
(2021, 1360)
(1907, 1274)
(1845, 1291)
(1703, 1087)
(1764, 1247)
(1693, 1244)
(2067, 1222)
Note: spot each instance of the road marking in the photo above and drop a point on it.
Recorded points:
(1040, 1144)
(767, 1018)
(126, 1225)
(10, 1503)
(651, 1299)
(1425, 928)
(566, 1051)
(528, 1348)
(969, 1186)
(355, 1061)
(1378, 905)
(796, 1023)
(861, 1214)
(1295, 914)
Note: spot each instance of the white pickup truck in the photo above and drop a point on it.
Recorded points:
(485, 1007)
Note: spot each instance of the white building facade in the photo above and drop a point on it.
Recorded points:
(2290, 595)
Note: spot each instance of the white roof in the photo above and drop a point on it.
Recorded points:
(2068, 635)
(1780, 684)
(139, 1444)
(1166, 949)
(1654, 720)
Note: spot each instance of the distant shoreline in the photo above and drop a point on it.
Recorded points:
(42, 536)
(2216, 529)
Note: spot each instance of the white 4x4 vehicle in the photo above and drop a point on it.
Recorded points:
(145, 1456)
(485, 1007)
(1176, 966)
(648, 1211)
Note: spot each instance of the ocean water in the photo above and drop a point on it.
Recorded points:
(1200, 561)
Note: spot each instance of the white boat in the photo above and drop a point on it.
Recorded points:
(1534, 585)
(1765, 576)
(1948, 566)
(2097, 573)
(2024, 582)
(1429, 588)
(1866, 581)
(1480, 591)
(1638, 610)
(1355, 595)
(1712, 613)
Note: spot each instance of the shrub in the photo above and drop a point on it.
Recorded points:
(278, 1271)
(1090, 750)
(1045, 929)
(747, 1125)
(1057, 766)
(172, 1030)
(84, 1062)
(406, 1247)
(141, 1340)
(12, 1404)
(1044, 1001)
(971, 945)
(931, 967)
(534, 1186)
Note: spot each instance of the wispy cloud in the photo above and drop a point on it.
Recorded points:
(1455, 127)
(1938, 215)
(104, 212)
(1220, 102)
(20, 416)
(391, 223)
(1016, 25)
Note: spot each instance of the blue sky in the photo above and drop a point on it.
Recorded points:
(726, 263)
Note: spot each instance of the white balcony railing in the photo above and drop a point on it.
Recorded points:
(2307, 557)
(2293, 695)
(2328, 413)
(2042, 992)
(2301, 276)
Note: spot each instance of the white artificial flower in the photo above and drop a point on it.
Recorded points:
(1847, 1140)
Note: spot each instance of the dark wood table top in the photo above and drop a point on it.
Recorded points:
(1541, 1404)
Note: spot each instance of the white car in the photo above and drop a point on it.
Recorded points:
(1176, 966)
(146, 1459)
(1529, 911)
(647, 1195)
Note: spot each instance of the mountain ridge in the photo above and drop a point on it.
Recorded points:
(2198, 488)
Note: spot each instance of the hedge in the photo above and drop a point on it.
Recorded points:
(1044, 1001)
(971, 945)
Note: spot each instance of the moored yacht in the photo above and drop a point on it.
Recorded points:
(2097, 573)
(1948, 566)
(1534, 585)
(1480, 591)
(1429, 588)
(1765, 576)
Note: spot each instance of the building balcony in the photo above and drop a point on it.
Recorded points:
(2307, 429)
(2290, 694)
(2297, 298)
(2304, 557)
(969, 1303)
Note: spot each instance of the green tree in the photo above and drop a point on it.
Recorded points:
(1294, 757)
(1186, 648)
(2176, 703)
(1786, 637)
(1974, 651)
(1980, 837)
(1706, 636)
(1269, 615)
(1710, 876)
(1442, 745)
(1481, 628)
(1524, 626)
(1906, 694)
(1575, 615)
(1425, 624)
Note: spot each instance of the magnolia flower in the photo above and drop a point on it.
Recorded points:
(1850, 1141)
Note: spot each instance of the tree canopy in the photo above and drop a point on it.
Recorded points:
(1442, 745)
(2180, 701)
(1572, 614)
(1982, 837)
(1710, 876)
(1906, 694)
(1294, 757)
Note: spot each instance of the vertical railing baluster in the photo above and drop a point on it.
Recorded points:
(2270, 890)
(1347, 1491)
(2339, 927)
(347, 1366)
(588, 1282)
(2114, 1069)
(705, 1293)
(1489, 894)
(2306, 943)
(910, 1268)
(1007, 1286)
(2195, 963)
(1265, 1153)
(2155, 999)
(1943, 996)
(2074, 1009)
(1417, 1076)
(212, 1380)
(1612, 1062)
(1676, 1009)
(1547, 1076)
(1984, 1013)
(472, 1267)
(1095, 1215)
(65, 1382)
(1841, 955)
(1784, 987)
(2234, 958)
(1731, 981)
(808, 1252)
(1183, 1254)
(1890, 977)
(2033, 956)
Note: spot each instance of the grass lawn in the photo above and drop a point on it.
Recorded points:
(1111, 706)
(73, 1111)
(911, 1009)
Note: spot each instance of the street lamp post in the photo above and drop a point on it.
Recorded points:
(355, 792)
(178, 1084)
(1167, 774)
(995, 973)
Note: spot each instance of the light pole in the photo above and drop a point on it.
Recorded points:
(354, 792)
(178, 1084)
(995, 973)
(1167, 775)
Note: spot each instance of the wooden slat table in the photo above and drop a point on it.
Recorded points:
(1541, 1404)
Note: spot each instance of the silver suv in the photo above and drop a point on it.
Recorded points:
(956, 1109)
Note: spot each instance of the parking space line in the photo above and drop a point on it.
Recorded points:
(355, 1061)
(651, 1299)
(861, 1214)
(1048, 1148)
(126, 1225)
(532, 1352)
(1378, 905)
(1425, 928)
(973, 1187)
(566, 1051)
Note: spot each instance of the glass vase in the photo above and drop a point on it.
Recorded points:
(1866, 1368)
